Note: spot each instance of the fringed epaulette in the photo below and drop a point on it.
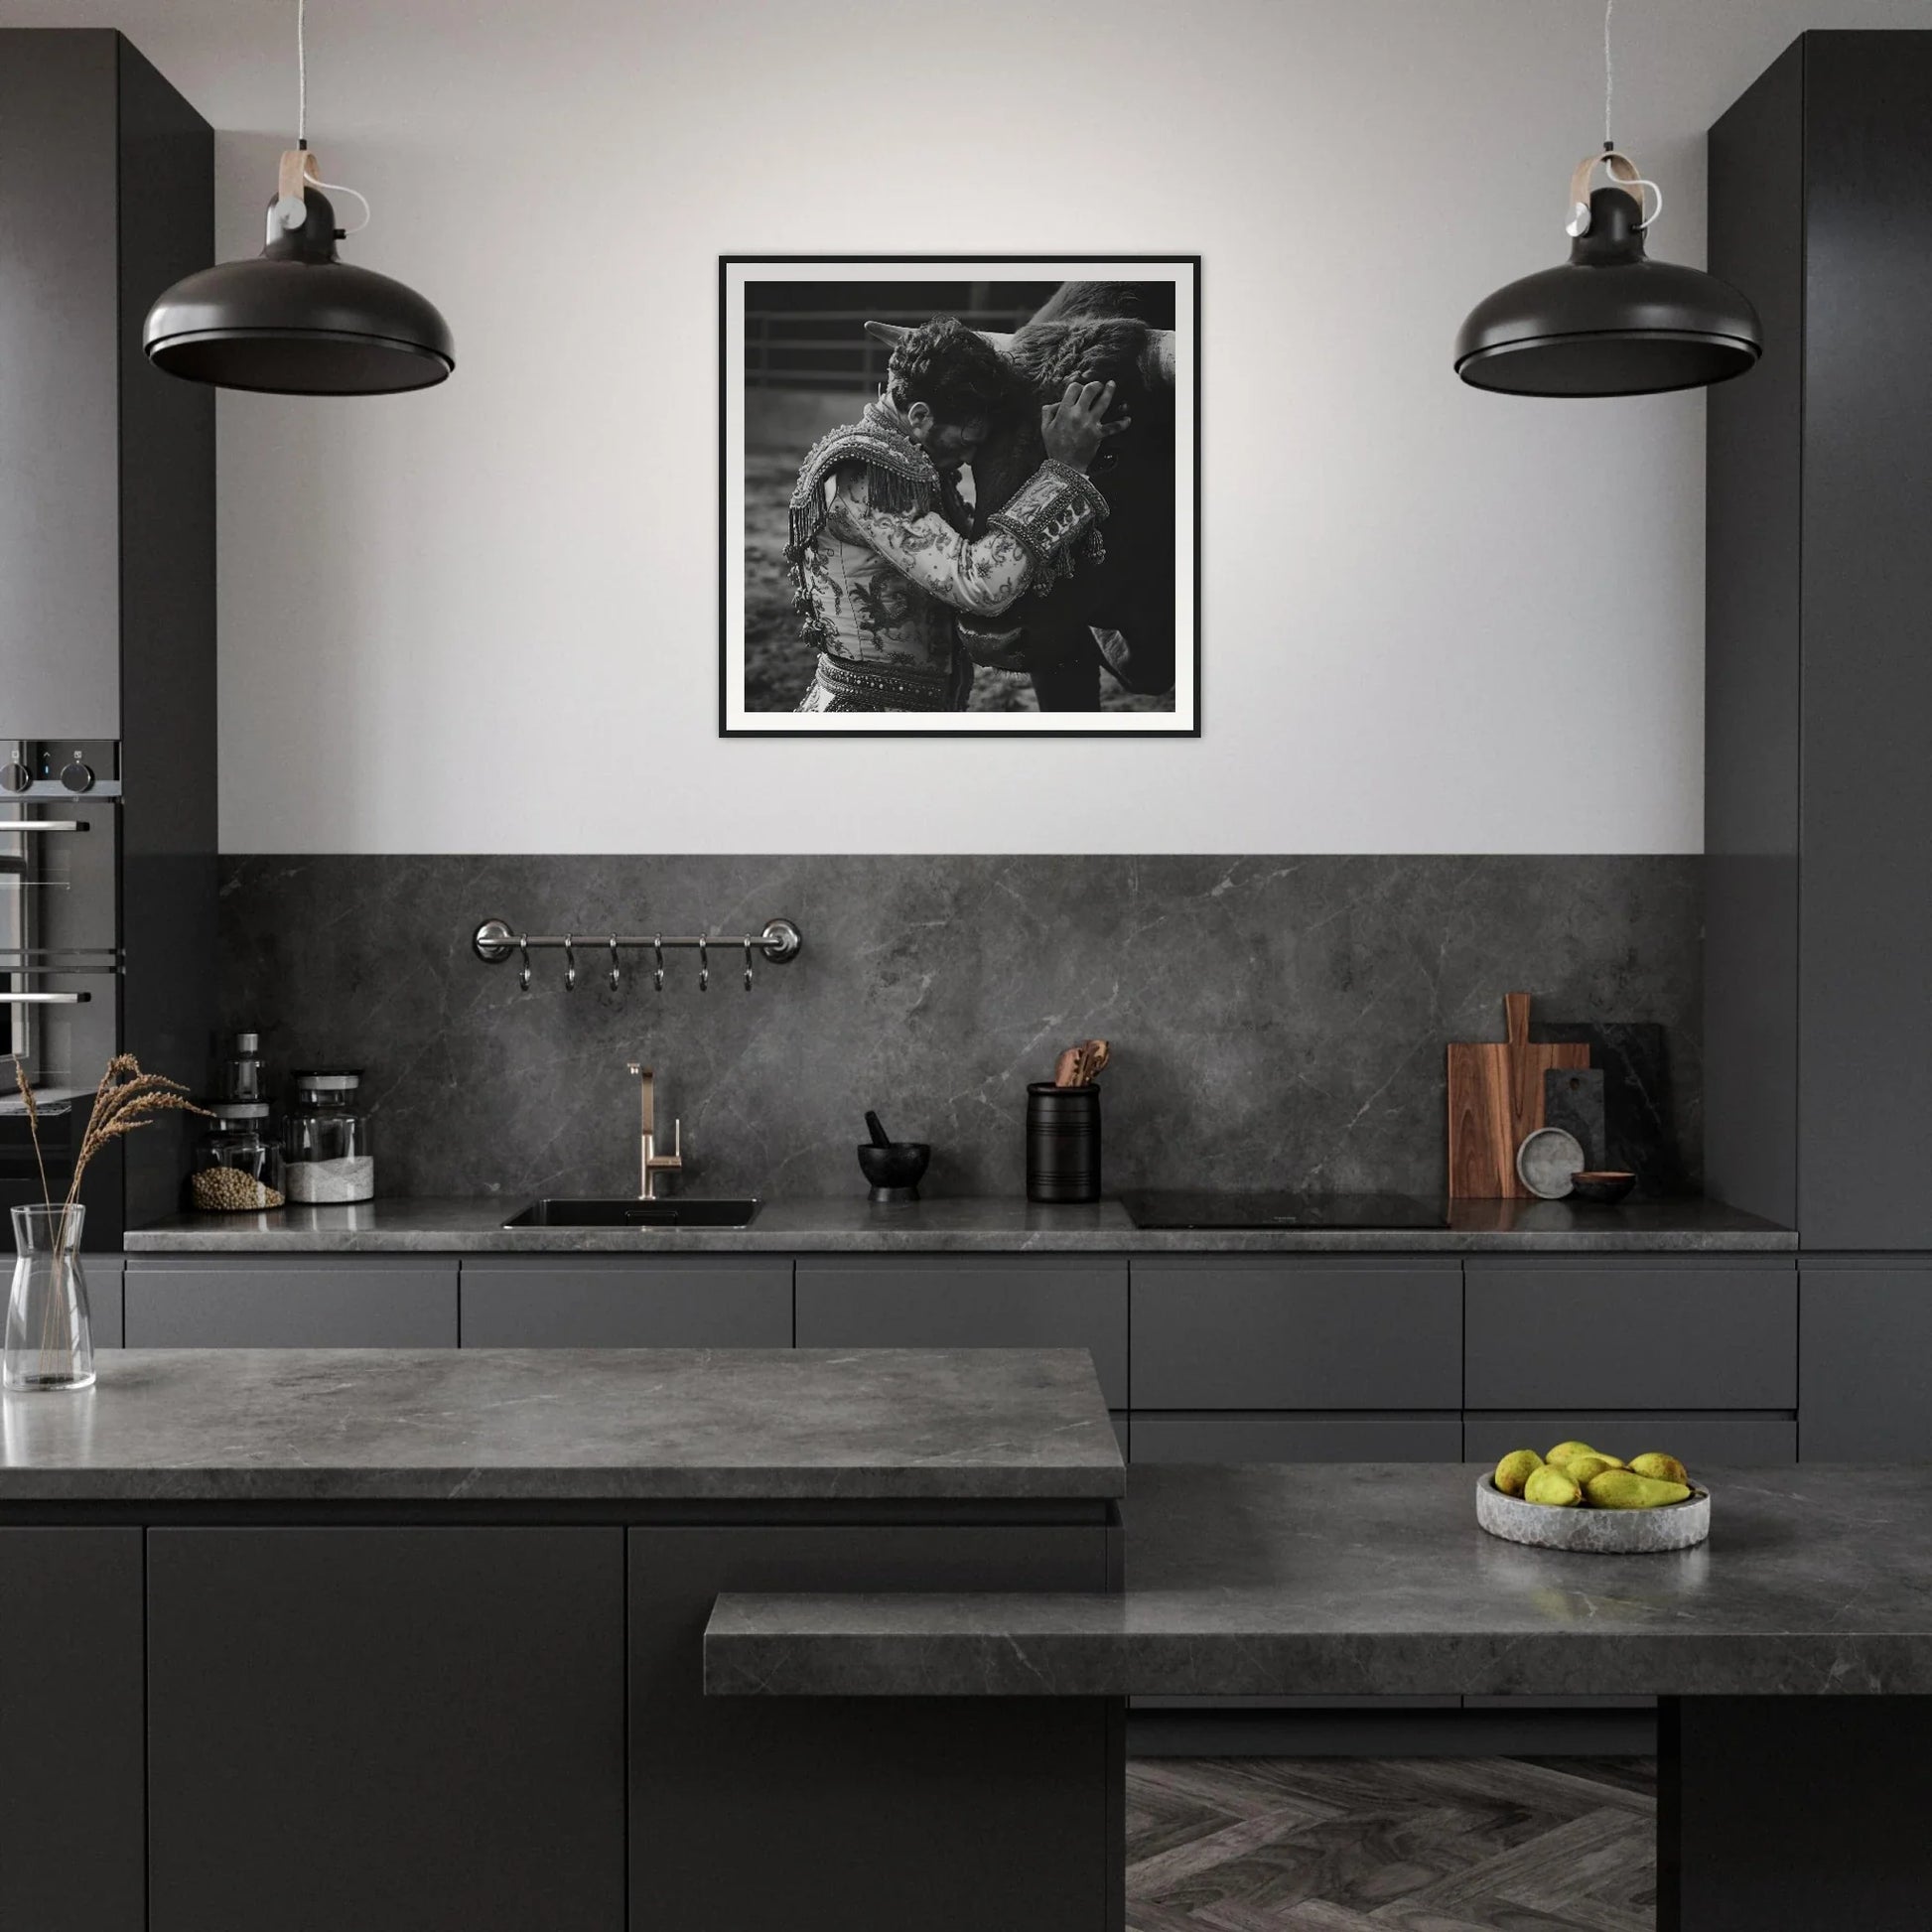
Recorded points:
(900, 476)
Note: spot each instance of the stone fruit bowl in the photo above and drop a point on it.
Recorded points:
(1603, 1532)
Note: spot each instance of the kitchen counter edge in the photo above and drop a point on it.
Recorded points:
(962, 1225)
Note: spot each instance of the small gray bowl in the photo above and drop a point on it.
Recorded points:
(1546, 1160)
(1597, 1532)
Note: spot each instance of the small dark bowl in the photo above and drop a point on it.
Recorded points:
(1605, 1187)
(894, 1169)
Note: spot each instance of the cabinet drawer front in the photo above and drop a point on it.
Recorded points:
(1023, 1303)
(1647, 1335)
(1738, 1442)
(1274, 1335)
(207, 1303)
(1297, 1439)
(601, 1303)
(103, 1274)
(1868, 1363)
(442, 1709)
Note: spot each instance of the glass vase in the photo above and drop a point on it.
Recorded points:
(49, 1338)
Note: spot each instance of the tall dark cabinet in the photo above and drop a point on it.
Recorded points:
(107, 699)
(1819, 716)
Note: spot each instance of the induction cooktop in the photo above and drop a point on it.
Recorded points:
(1187, 1208)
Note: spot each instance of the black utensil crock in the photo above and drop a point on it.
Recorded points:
(1062, 1143)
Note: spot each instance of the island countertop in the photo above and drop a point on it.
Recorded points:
(966, 1225)
(566, 1426)
(1362, 1578)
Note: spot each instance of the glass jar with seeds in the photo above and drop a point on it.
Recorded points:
(238, 1163)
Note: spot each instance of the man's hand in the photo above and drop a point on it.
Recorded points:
(1072, 429)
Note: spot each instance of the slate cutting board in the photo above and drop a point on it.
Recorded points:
(1495, 1100)
(1639, 1112)
(1572, 1099)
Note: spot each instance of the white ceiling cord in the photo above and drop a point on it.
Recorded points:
(1609, 72)
(293, 217)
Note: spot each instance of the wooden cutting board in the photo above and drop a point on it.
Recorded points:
(1495, 1101)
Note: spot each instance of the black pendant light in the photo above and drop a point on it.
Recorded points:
(298, 319)
(1610, 321)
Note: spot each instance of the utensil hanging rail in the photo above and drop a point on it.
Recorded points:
(495, 941)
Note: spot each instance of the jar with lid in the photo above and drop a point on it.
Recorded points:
(238, 1069)
(326, 1138)
(237, 1162)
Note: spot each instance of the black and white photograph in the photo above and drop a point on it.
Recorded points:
(959, 496)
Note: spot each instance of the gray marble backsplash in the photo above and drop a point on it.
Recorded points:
(1276, 1022)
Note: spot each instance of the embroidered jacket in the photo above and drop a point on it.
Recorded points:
(882, 558)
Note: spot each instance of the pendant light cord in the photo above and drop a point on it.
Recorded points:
(1610, 73)
(302, 73)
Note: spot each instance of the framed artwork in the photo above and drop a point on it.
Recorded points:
(959, 496)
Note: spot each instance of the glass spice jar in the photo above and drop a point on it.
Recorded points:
(237, 1162)
(328, 1154)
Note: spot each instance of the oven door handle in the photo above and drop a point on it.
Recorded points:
(43, 825)
(45, 999)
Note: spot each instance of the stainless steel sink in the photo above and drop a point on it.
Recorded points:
(634, 1213)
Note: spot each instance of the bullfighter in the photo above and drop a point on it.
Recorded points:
(882, 549)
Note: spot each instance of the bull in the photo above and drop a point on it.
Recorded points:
(1119, 612)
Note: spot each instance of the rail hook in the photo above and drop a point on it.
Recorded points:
(703, 966)
(524, 947)
(747, 965)
(658, 978)
(570, 962)
(616, 970)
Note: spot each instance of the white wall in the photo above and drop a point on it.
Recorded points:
(485, 618)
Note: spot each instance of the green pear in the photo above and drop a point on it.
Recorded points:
(1666, 1469)
(1550, 1485)
(1624, 1489)
(1515, 1470)
(1580, 1469)
(1565, 1451)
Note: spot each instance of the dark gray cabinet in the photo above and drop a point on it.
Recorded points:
(103, 1274)
(616, 1301)
(734, 1800)
(1264, 1332)
(1818, 681)
(1297, 1438)
(275, 1302)
(1867, 1390)
(1737, 1440)
(303, 1681)
(60, 525)
(1552, 1334)
(1003, 1302)
(107, 536)
(72, 1742)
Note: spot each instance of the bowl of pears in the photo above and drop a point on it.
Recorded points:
(1581, 1498)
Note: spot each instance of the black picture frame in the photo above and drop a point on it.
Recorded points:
(731, 540)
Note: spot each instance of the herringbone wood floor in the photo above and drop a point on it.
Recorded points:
(1391, 1844)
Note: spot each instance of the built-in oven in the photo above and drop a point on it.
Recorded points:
(59, 973)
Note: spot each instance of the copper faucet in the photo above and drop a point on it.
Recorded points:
(650, 1163)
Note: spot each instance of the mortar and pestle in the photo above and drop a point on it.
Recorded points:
(892, 1167)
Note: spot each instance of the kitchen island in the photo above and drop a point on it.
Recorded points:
(410, 1639)
(1793, 1651)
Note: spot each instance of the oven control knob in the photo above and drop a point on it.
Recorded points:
(78, 776)
(15, 776)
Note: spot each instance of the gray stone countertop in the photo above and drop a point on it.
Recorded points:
(437, 1426)
(962, 1225)
(1373, 1578)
